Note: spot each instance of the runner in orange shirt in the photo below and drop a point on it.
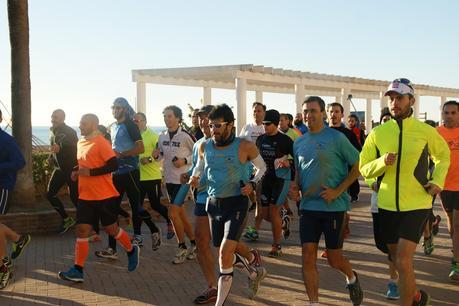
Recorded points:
(450, 194)
(97, 197)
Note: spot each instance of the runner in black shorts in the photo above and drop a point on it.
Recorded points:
(275, 147)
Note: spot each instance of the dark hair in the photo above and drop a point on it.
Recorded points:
(431, 123)
(354, 116)
(284, 115)
(255, 104)
(384, 112)
(317, 99)
(222, 111)
(336, 104)
(176, 110)
(142, 115)
(451, 102)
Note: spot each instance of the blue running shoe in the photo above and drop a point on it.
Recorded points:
(72, 275)
(133, 258)
(392, 291)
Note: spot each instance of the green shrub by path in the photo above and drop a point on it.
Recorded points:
(41, 171)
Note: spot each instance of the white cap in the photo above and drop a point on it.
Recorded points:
(400, 86)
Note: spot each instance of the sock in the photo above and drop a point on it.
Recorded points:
(351, 280)
(193, 242)
(417, 296)
(124, 240)
(393, 280)
(243, 265)
(81, 251)
(224, 285)
(182, 245)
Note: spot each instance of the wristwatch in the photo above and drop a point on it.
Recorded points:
(150, 159)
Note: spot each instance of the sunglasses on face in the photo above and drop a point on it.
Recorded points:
(217, 125)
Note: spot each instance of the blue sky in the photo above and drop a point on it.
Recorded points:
(82, 52)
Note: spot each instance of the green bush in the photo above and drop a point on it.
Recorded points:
(41, 170)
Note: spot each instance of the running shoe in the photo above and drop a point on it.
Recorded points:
(425, 299)
(133, 258)
(251, 234)
(72, 275)
(436, 225)
(257, 258)
(192, 251)
(156, 240)
(170, 231)
(276, 251)
(392, 291)
(428, 245)
(7, 261)
(286, 226)
(67, 224)
(207, 296)
(137, 240)
(454, 274)
(254, 284)
(355, 291)
(107, 253)
(324, 254)
(355, 199)
(19, 246)
(180, 256)
(5, 275)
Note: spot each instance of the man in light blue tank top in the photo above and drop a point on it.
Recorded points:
(223, 161)
(322, 159)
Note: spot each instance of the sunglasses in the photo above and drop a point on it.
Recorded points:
(217, 125)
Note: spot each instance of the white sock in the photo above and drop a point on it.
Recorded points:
(224, 285)
(351, 280)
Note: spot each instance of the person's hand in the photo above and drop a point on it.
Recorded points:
(144, 160)
(294, 192)
(156, 153)
(247, 189)
(432, 189)
(55, 148)
(390, 158)
(74, 176)
(179, 162)
(329, 194)
(374, 186)
(83, 172)
(194, 181)
(184, 178)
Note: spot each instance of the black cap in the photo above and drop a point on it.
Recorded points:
(272, 116)
(205, 109)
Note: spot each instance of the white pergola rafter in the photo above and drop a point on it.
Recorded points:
(243, 78)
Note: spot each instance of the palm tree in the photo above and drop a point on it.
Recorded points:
(18, 18)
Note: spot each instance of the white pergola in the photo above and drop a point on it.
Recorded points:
(262, 79)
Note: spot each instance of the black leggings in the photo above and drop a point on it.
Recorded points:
(58, 179)
(153, 190)
(129, 183)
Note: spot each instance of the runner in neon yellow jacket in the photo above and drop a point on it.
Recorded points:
(402, 185)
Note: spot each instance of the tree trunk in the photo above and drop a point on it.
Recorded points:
(18, 17)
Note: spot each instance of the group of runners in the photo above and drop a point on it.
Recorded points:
(404, 161)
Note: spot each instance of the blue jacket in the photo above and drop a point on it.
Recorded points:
(11, 160)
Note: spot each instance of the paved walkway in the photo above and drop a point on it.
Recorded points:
(158, 282)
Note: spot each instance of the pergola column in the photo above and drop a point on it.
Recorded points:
(241, 99)
(382, 101)
(299, 97)
(345, 102)
(442, 102)
(141, 102)
(207, 96)
(416, 106)
(259, 96)
(368, 113)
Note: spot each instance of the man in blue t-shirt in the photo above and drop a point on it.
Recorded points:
(322, 157)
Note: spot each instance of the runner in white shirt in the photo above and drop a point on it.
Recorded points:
(251, 132)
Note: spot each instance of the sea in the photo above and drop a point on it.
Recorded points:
(41, 133)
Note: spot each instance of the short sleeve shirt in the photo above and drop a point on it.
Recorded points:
(323, 159)
(124, 136)
(152, 170)
(452, 138)
(94, 153)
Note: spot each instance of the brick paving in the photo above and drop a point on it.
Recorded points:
(158, 282)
